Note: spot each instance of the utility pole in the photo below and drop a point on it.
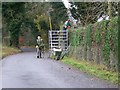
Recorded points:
(50, 23)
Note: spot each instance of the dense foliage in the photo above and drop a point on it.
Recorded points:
(19, 19)
(58, 14)
(30, 18)
(97, 42)
(13, 14)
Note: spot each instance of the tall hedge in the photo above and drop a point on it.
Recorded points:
(96, 42)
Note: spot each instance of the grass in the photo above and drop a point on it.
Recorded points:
(93, 69)
(8, 51)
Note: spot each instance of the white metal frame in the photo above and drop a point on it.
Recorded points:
(58, 38)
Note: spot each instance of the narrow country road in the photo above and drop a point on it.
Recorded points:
(24, 70)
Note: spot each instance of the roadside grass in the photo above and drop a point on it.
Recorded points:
(8, 51)
(92, 69)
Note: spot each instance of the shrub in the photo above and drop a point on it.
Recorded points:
(101, 35)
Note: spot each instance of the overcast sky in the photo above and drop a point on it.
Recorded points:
(66, 3)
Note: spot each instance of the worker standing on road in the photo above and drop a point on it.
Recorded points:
(39, 47)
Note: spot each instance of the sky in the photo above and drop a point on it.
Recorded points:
(66, 3)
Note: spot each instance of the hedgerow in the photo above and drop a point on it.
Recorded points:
(96, 42)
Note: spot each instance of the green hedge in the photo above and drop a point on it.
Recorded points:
(96, 42)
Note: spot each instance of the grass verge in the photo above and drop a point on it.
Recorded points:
(93, 69)
(8, 51)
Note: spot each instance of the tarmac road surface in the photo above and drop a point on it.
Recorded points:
(24, 70)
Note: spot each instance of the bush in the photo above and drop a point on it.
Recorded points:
(99, 42)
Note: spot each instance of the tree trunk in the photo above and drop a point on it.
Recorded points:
(14, 39)
(119, 37)
(89, 54)
(110, 8)
(85, 52)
